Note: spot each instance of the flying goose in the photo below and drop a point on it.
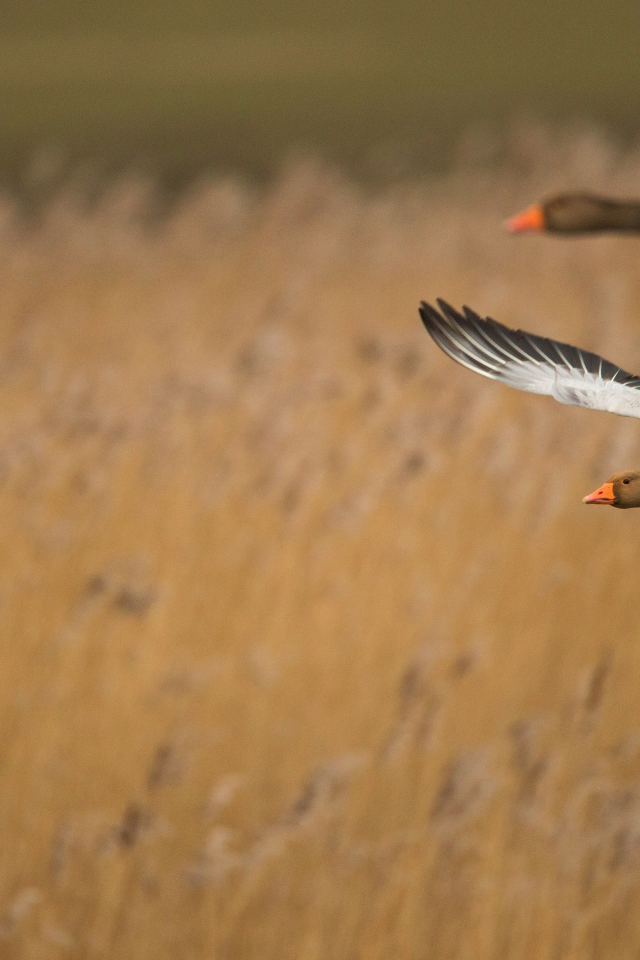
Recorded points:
(578, 213)
(540, 365)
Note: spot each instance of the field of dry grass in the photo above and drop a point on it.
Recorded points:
(309, 649)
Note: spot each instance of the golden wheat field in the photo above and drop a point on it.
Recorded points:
(309, 648)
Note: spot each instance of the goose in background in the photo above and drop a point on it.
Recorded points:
(540, 365)
(573, 213)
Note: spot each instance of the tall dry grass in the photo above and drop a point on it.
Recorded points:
(309, 648)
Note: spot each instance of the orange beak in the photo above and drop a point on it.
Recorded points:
(603, 494)
(530, 219)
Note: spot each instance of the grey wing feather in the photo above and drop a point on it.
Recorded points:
(529, 362)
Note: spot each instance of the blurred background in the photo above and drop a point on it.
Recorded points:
(309, 649)
(192, 86)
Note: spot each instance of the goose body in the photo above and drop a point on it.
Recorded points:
(541, 365)
(573, 213)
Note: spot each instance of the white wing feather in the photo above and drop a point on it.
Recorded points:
(532, 363)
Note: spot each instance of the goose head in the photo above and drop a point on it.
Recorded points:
(621, 490)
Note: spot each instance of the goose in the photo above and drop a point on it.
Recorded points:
(578, 213)
(540, 365)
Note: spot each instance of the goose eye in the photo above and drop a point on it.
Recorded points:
(626, 480)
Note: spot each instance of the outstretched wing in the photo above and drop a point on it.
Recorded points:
(528, 362)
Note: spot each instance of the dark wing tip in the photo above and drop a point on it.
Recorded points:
(446, 319)
(430, 316)
(446, 308)
(471, 315)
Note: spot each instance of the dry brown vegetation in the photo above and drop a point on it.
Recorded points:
(309, 648)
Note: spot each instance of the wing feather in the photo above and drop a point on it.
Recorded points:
(529, 362)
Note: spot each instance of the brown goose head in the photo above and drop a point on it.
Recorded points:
(621, 490)
(578, 213)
